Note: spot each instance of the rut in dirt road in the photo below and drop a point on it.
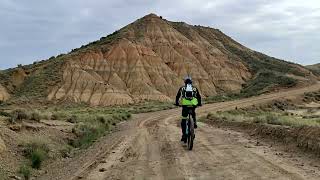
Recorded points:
(148, 147)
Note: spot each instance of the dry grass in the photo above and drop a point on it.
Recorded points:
(274, 118)
(25, 171)
(37, 151)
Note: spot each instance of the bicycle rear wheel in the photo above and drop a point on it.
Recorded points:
(190, 134)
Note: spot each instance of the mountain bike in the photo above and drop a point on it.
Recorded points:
(190, 132)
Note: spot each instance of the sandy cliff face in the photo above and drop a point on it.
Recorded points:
(148, 62)
(18, 76)
(4, 95)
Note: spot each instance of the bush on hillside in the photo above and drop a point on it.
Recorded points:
(19, 115)
(6, 114)
(87, 134)
(266, 79)
(37, 152)
(73, 119)
(35, 116)
(25, 171)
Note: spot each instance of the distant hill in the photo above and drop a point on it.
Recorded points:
(314, 68)
(147, 60)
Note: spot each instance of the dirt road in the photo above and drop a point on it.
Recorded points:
(148, 147)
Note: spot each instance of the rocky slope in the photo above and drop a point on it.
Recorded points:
(147, 60)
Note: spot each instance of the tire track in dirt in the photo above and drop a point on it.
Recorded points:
(141, 146)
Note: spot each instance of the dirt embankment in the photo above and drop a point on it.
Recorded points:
(302, 129)
(306, 138)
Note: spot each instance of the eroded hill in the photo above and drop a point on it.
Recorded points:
(146, 60)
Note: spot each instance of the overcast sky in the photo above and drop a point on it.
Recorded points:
(37, 29)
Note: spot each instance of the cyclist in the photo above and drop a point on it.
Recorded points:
(190, 99)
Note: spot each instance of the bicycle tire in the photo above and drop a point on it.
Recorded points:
(191, 134)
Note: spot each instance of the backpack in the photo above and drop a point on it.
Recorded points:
(188, 92)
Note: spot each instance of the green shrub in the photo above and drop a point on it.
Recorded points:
(87, 134)
(209, 115)
(121, 116)
(54, 117)
(116, 117)
(128, 115)
(58, 116)
(37, 152)
(19, 115)
(259, 119)
(37, 157)
(266, 79)
(272, 119)
(46, 116)
(6, 114)
(102, 119)
(73, 119)
(25, 171)
(66, 151)
(35, 116)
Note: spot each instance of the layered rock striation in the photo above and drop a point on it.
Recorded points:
(148, 62)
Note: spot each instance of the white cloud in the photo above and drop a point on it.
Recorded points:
(288, 29)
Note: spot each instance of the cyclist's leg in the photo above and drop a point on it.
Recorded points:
(183, 122)
(194, 117)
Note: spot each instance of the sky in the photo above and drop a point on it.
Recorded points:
(36, 29)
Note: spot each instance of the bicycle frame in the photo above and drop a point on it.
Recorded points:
(188, 122)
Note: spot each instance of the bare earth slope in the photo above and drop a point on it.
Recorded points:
(148, 147)
(146, 60)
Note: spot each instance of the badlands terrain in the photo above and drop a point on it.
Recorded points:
(105, 110)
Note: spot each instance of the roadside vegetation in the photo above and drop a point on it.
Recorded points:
(37, 152)
(292, 122)
(87, 124)
(292, 113)
(264, 117)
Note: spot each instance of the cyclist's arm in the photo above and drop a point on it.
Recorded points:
(178, 96)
